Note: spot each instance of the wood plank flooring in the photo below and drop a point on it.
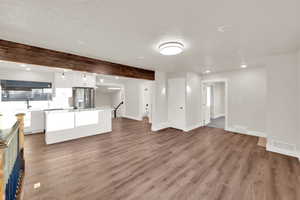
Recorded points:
(133, 163)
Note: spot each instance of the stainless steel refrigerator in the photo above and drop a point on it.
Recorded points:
(83, 97)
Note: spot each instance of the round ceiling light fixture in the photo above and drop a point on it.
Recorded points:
(243, 66)
(171, 48)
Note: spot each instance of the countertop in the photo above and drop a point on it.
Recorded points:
(79, 110)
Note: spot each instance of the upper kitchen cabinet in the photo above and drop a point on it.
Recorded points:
(63, 80)
(74, 79)
(81, 79)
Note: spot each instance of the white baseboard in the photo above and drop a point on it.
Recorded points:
(34, 132)
(160, 126)
(219, 115)
(198, 125)
(246, 132)
(134, 118)
(288, 152)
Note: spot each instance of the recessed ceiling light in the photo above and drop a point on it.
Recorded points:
(28, 69)
(171, 48)
(101, 80)
(23, 65)
(243, 66)
(207, 71)
(141, 57)
(224, 28)
(117, 77)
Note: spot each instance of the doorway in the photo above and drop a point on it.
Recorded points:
(214, 103)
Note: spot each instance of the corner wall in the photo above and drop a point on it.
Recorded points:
(160, 102)
(193, 101)
(246, 100)
(133, 100)
(282, 104)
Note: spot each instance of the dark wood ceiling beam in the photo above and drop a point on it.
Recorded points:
(16, 52)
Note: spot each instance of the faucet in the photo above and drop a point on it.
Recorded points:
(27, 103)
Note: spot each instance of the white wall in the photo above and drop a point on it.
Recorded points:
(146, 90)
(133, 100)
(193, 101)
(246, 99)
(117, 98)
(298, 85)
(160, 102)
(282, 101)
(218, 99)
(103, 99)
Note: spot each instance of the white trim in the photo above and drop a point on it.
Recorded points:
(134, 118)
(247, 132)
(218, 115)
(257, 133)
(34, 132)
(272, 148)
(159, 126)
(187, 129)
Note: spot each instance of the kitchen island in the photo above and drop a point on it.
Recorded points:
(64, 125)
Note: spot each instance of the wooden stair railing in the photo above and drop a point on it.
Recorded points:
(12, 163)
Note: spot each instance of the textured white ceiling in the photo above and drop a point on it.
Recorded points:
(129, 32)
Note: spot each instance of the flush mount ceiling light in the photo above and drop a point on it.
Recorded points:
(170, 48)
(243, 66)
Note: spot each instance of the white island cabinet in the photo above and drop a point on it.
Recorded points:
(66, 125)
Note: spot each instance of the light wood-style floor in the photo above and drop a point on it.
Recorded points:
(134, 163)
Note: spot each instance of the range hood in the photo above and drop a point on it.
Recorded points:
(23, 85)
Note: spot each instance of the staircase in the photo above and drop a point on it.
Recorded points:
(12, 163)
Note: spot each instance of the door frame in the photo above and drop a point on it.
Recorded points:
(226, 96)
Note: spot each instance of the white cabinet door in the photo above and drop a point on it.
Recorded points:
(37, 121)
(176, 103)
(63, 80)
(82, 79)
(91, 81)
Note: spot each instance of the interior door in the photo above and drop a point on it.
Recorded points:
(176, 103)
(206, 99)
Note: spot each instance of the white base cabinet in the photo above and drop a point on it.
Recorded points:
(76, 124)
